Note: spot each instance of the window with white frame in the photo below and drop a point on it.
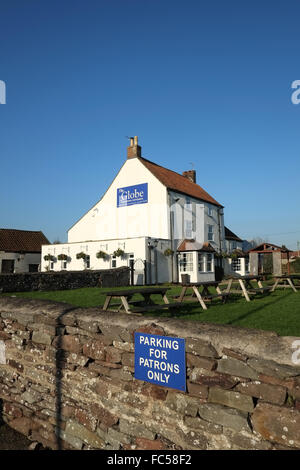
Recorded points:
(236, 264)
(210, 212)
(210, 235)
(188, 228)
(201, 264)
(186, 262)
(209, 265)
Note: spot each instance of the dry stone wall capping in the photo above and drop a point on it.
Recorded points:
(67, 381)
(60, 280)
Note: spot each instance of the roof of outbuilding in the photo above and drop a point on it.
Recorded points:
(177, 182)
(26, 241)
(267, 247)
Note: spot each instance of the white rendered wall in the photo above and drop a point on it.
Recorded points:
(134, 246)
(106, 221)
(196, 215)
(228, 269)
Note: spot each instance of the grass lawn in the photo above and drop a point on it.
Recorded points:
(278, 311)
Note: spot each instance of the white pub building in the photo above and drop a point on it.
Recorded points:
(159, 222)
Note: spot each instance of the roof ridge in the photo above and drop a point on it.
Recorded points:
(21, 230)
(168, 169)
(182, 185)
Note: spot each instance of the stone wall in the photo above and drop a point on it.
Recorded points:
(25, 282)
(67, 381)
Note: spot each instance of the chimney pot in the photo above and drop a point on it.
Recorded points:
(134, 150)
(190, 175)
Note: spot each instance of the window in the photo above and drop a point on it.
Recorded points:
(188, 228)
(236, 264)
(114, 262)
(51, 265)
(210, 233)
(247, 265)
(33, 268)
(87, 262)
(233, 245)
(209, 262)
(131, 261)
(64, 264)
(186, 262)
(201, 262)
(8, 265)
(210, 212)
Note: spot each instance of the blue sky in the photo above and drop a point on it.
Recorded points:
(203, 84)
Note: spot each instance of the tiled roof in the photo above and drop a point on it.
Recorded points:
(26, 241)
(177, 182)
(192, 245)
(267, 248)
(229, 235)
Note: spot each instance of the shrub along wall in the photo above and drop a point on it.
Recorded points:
(25, 282)
(67, 381)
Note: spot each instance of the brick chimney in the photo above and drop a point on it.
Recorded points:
(190, 175)
(134, 150)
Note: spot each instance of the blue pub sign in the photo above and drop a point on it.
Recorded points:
(137, 194)
(160, 360)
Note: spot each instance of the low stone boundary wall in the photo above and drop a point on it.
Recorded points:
(67, 381)
(25, 282)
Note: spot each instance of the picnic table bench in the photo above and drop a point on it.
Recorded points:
(285, 281)
(138, 306)
(203, 294)
(246, 286)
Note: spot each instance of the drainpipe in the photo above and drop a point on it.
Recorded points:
(150, 267)
(171, 237)
(220, 242)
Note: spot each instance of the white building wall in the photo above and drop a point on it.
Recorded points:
(134, 246)
(157, 265)
(106, 221)
(192, 219)
(241, 272)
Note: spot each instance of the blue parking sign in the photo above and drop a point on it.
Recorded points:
(160, 360)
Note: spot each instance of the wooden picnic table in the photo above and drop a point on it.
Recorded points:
(285, 281)
(201, 291)
(246, 286)
(140, 305)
